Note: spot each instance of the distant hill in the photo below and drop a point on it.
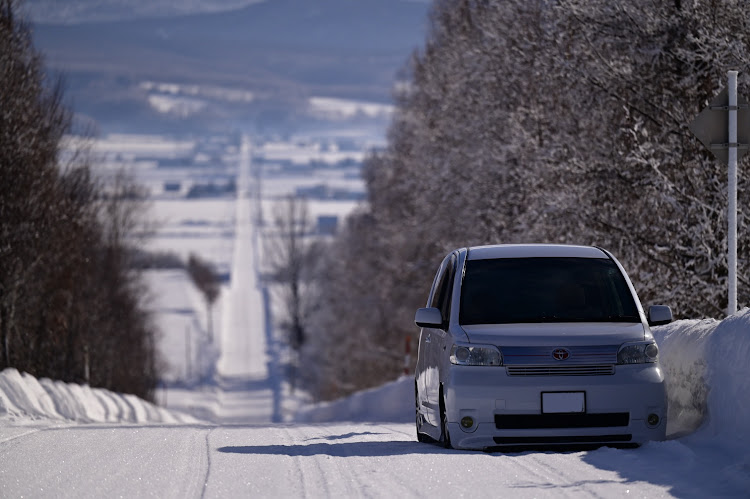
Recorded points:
(86, 11)
(283, 51)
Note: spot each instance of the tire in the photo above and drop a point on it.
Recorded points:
(421, 437)
(445, 436)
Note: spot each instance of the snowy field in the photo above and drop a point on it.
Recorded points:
(201, 226)
(205, 228)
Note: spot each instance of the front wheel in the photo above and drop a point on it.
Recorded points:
(445, 436)
(421, 437)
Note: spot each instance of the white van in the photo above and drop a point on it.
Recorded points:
(537, 345)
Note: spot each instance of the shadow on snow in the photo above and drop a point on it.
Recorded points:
(339, 449)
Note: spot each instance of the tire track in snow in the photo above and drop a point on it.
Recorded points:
(5, 440)
(312, 479)
(380, 478)
(332, 463)
(530, 465)
(354, 459)
(297, 469)
(207, 473)
(563, 472)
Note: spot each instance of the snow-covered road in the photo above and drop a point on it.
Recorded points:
(243, 339)
(339, 460)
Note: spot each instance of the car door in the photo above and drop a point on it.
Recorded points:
(425, 337)
(437, 339)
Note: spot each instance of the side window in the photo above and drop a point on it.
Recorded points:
(447, 292)
(438, 285)
(441, 297)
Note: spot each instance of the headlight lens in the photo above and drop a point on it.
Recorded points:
(638, 353)
(475, 355)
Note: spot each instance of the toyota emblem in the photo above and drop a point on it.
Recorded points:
(560, 353)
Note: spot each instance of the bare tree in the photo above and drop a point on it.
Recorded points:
(208, 282)
(32, 121)
(70, 303)
(288, 253)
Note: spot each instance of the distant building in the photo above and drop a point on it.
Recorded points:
(212, 189)
(320, 191)
(323, 191)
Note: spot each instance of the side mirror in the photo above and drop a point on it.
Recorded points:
(659, 315)
(428, 317)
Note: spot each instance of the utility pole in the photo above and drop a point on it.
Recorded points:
(732, 202)
(727, 137)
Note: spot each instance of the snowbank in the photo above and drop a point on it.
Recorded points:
(392, 402)
(706, 364)
(23, 397)
(682, 354)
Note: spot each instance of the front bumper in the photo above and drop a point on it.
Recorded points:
(507, 410)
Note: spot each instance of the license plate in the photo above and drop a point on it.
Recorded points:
(563, 402)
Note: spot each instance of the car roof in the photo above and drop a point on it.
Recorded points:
(534, 251)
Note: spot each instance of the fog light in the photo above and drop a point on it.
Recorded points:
(467, 422)
(653, 419)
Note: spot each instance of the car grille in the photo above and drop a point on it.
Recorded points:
(570, 370)
(578, 355)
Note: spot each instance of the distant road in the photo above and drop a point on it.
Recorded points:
(248, 388)
(243, 345)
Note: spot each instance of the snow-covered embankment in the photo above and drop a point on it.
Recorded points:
(24, 398)
(707, 366)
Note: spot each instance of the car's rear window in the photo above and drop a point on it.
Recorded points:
(521, 290)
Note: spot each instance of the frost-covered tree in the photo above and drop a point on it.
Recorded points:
(355, 340)
(548, 121)
(651, 191)
(32, 121)
(70, 305)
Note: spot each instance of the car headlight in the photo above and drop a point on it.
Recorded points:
(485, 355)
(638, 353)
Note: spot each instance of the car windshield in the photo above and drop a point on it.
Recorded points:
(523, 290)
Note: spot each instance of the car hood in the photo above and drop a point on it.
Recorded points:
(556, 334)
